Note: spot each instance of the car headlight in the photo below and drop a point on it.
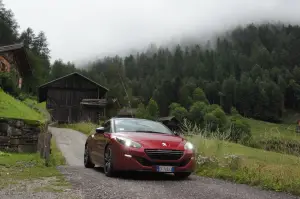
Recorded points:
(128, 143)
(188, 146)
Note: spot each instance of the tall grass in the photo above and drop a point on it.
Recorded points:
(217, 157)
(84, 127)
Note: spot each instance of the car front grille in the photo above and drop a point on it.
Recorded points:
(156, 154)
(146, 162)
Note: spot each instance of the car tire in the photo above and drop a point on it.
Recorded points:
(87, 159)
(182, 175)
(108, 165)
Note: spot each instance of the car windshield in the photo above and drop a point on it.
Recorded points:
(140, 125)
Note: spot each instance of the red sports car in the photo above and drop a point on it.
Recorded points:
(131, 144)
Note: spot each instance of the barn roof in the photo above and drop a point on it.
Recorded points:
(168, 118)
(44, 87)
(124, 112)
(20, 56)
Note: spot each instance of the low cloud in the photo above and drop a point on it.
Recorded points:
(82, 30)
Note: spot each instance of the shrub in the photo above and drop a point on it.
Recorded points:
(211, 122)
(233, 111)
(239, 129)
(152, 109)
(197, 112)
(141, 112)
(9, 83)
(179, 112)
(222, 118)
(199, 95)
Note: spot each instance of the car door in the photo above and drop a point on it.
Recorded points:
(100, 142)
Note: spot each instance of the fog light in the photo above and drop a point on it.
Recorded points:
(128, 156)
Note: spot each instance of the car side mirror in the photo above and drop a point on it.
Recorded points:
(176, 133)
(100, 129)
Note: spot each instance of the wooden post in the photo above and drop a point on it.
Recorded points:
(47, 148)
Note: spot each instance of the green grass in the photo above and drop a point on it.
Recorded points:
(261, 130)
(274, 137)
(42, 105)
(84, 127)
(269, 170)
(38, 107)
(17, 167)
(15, 109)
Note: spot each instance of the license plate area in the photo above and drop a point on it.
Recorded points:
(165, 169)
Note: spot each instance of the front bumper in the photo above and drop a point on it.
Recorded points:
(128, 159)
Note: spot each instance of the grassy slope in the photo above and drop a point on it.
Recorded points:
(12, 108)
(15, 167)
(242, 164)
(271, 170)
(262, 130)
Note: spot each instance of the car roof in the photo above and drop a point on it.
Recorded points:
(129, 118)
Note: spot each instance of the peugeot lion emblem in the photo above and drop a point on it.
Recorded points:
(164, 144)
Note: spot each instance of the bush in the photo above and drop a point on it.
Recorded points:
(222, 118)
(211, 122)
(212, 107)
(178, 111)
(141, 112)
(239, 130)
(152, 109)
(233, 111)
(9, 83)
(199, 95)
(276, 144)
(197, 112)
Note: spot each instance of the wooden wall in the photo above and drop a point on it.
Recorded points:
(64, 97)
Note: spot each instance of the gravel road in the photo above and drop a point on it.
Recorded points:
(92, 183)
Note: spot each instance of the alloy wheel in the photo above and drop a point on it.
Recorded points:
(107, 161)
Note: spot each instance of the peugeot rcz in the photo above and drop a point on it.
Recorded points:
(132, 144)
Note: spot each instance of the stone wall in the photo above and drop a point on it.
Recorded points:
(20, 135)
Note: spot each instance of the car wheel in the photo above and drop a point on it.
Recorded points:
(87, 160)
(108, 166)
(182, 175)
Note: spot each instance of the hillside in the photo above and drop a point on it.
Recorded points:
(13, 108)
(254, 68)
(238, 163)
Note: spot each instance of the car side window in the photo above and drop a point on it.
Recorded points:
(107, 127)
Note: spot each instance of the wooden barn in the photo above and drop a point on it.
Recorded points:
(95, 109)
(171, 122)
(67, 96)
(13, 58)
(127, 112)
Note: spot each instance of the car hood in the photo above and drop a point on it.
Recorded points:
(155, 140)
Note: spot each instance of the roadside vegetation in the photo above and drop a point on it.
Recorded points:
(17, 168)
(16, 109)
(85, 127)
(241, 164)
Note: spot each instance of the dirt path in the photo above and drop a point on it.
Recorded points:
(92, 183)
(71, 143)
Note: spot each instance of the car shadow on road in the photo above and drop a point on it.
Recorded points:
(146, 176)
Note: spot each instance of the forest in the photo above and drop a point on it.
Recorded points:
(252, 71)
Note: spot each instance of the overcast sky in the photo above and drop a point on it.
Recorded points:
(83, 29)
